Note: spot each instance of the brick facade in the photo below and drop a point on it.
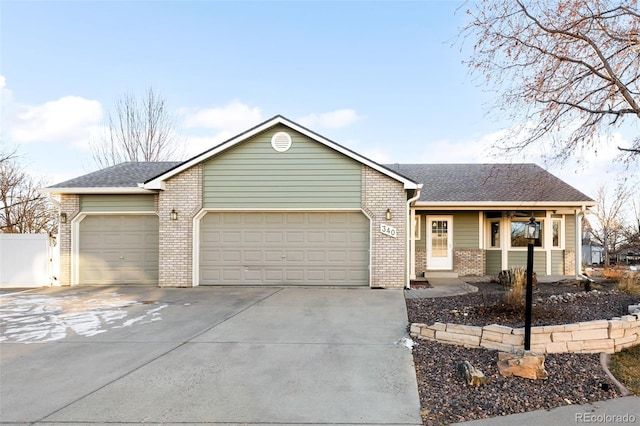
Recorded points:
(388, 254)
(569, 262)
(70, 205)
(469, 262)
(183, 193)
(420, 258)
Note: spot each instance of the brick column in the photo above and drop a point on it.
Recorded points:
(388, 254)
(183, 193)
(569, 262)
(469, 262)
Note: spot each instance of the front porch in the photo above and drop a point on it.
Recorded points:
(477, 243)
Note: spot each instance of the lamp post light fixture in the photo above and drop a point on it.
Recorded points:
(531, 233)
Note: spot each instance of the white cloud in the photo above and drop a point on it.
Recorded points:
(69, 120)
(194, 145)
(235, 116)
(332, 120)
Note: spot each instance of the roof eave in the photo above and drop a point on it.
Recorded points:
(97, 190)
(158, 182)
(476, 205)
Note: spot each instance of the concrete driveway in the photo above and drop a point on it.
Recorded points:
(205, 356)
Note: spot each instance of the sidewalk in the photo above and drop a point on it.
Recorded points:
(617, 411)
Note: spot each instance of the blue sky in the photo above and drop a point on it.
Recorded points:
(385, 79)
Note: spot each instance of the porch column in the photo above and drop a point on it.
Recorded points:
(412, 244)
(578, 242)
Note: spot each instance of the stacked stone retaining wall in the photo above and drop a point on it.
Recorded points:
(608, 336)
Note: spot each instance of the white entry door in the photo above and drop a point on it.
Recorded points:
(439, 242)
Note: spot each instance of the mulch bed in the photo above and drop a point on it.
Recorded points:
(573, 378)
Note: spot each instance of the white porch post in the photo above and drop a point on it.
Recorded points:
(412, 244)
(548, 239)
(578, 242)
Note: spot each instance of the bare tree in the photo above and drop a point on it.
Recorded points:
(23, 210)
(563, 66)
(632, 231)
(607, 226)
(139, 129)
(6, 154)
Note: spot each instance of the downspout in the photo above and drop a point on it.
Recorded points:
(411, 242)
(578, 242)
(53, 274)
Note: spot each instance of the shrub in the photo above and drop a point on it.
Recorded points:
(629, 283)
(613, 273)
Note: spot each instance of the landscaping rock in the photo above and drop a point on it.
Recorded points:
(472, 375)
(522, 364)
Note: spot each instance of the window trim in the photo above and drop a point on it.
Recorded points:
(490, 222)
(540, 239)
(561, 233)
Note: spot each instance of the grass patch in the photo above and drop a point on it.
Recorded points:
(624, 366)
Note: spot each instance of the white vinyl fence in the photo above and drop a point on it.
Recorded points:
(26, 260)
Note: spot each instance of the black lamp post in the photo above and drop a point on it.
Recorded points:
(531, 232)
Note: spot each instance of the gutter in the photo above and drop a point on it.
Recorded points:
(410, 234)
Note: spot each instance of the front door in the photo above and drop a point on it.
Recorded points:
(439, 243)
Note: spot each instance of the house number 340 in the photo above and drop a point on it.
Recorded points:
(388, 230)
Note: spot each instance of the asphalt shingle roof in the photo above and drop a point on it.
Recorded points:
(442, 182)
(123, 175)
(488, 182)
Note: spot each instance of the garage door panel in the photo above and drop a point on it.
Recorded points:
(317, 275)
(295, 275)
(118, 249)
(252, 237)
(338, 275)
(231, 237)
(252, 256)
(294, 256)
(281, 248)
(359, 256)
(273, 275)
(295, 237)
(273, 237)
(232, 256)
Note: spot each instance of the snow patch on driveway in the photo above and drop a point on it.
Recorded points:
(29, 318)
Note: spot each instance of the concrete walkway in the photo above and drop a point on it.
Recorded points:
(146, 355)
(441, 287)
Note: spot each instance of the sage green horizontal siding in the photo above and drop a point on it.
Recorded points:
(519, 259)
(570, 229)
(117, 203)
(557, 262)
(465, 230)
(494, 262)
(308, 175)
(465, 227)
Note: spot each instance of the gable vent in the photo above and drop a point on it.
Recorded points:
(281, 141)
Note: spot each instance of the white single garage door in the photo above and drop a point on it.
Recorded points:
(118, 249)
(284, 248)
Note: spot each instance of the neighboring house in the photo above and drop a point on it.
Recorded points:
(592, 251)
(282, 205)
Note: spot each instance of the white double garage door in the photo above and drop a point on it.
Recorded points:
(235, 248)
